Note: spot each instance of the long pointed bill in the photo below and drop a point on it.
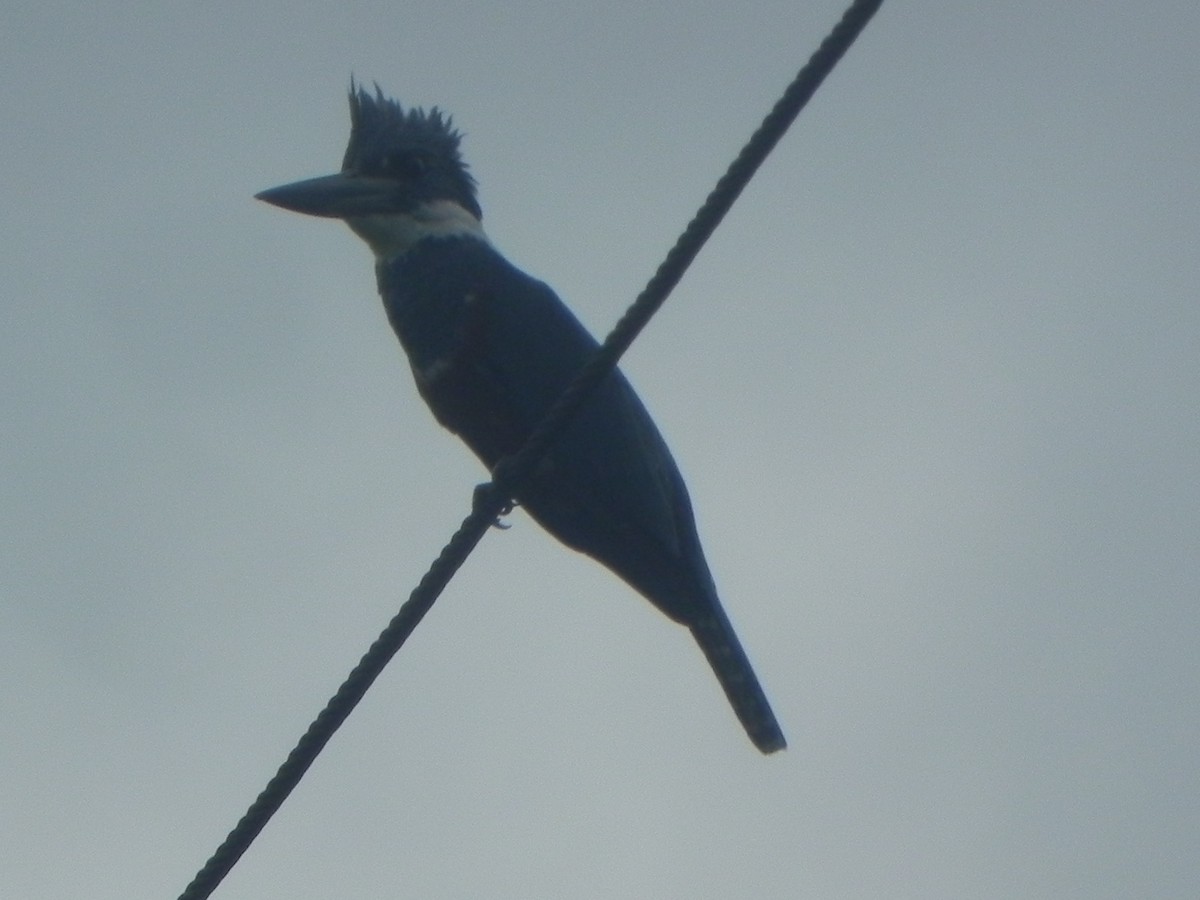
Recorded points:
(338, 196)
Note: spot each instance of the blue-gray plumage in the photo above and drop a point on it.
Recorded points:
(491, 349)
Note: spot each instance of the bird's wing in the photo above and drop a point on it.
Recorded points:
(611, 458)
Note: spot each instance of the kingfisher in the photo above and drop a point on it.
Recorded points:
(491, 349)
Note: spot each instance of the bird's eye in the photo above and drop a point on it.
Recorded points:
(405, 165)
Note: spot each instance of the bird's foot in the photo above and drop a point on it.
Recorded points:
(484, 496)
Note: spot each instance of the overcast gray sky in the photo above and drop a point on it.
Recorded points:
(934, 385)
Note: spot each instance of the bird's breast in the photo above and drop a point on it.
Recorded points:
(457, 377)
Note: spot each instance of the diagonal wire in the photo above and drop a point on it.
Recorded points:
(491, 499)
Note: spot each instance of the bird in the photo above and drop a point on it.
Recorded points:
(492, 348)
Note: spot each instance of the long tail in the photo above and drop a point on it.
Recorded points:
(716, 637)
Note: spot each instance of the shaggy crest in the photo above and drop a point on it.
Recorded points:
(385, 139)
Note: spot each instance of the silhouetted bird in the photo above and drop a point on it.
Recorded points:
(492, 349)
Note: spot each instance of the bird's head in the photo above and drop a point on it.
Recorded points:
(402, 179)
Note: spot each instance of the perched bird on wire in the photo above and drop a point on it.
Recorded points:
(492, 349)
